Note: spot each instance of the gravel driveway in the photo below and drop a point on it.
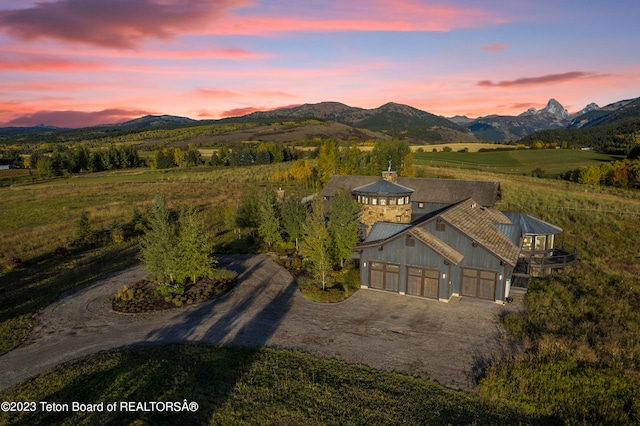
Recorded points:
(383, 330)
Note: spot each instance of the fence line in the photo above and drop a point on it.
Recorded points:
(562, 208)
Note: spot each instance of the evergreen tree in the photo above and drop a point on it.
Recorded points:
(193, 157)
(293, 214)
(193, 249)
(248, 215)
(84, 233)
(269, 224)
(157, 245)
(316, 242)
(344, 226)
(215, 160)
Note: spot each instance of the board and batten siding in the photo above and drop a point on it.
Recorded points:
(398, 252)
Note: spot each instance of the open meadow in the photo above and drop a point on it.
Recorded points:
(578, 341)
(551, 162)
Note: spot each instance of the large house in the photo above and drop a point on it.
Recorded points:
(440, 238)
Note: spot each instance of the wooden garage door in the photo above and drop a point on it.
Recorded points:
(478, 283)
(384, 276)
(423, 282)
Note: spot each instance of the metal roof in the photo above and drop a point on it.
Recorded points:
(384, 230)
(532, 226)
(383, 187)
(512, 232)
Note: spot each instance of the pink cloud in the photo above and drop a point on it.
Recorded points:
(495, 47)
(76, 119)
(224, 93)
(47, 87)
(237, 112)
(360, 15)
(545, 79)
(226, 53)
(44, 63)
(111, 23)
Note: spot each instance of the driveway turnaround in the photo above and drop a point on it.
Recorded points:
(383, 330)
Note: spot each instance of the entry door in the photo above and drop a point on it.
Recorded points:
(384, 276)
(478, 283)
(423, 282)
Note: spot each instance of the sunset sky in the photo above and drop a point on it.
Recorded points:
(75, 63)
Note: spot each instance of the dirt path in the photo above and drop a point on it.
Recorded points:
(383, 330)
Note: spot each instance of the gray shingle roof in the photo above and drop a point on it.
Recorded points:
(477, 223)
(441, 191)
(451, 255)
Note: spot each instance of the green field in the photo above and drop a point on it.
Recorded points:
(581, 330)
(551, 161)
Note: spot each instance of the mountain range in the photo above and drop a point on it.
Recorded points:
(391, 120)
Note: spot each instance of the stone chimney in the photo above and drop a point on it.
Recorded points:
(390, 176)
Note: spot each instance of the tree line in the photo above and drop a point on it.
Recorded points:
(617, 138)
(80, 159)
(622, 174)
(324, 234)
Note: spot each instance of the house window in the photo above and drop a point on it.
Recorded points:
(421, 205)
(410, 242)
(526, 242)
(383, 201)
(374, 201)
(359, 199)
(541, 241)
(440, 226)
(550, 242)
(365, 200)
(392, 201)
(401, 200)
(398, 218)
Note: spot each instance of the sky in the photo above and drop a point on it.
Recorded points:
(77, 63)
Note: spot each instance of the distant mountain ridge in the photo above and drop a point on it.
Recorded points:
(503, 128)
(393, 119)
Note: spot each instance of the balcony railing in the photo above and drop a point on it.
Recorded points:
(557, 259)
(540, 263)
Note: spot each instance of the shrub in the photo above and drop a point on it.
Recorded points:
(61, 252)
(84, 232)
(13, 261)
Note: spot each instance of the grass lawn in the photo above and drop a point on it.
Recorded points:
(551, 161)
(243, 386)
